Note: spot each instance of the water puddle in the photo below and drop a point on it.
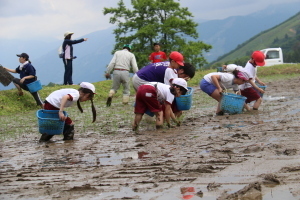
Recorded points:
(270, 98)
(198, 192)
(293, 112)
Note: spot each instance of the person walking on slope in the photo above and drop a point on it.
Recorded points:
(63, 98)
(121, 63)
(248, 89)
(68, 57)
(27, 75)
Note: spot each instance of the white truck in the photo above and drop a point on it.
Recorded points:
(273, 56)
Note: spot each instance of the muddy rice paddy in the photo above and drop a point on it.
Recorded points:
(253, 155)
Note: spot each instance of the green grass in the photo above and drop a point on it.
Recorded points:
(17, 114)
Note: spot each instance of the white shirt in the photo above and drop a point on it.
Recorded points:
(170, 74)
(68, 52)
(226, 81)
(251, 71)
(163, 92)
(55, 97)
(122, 59)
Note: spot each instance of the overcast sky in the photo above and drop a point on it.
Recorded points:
(30, 19)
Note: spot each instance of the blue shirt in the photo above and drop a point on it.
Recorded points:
(70, 43)
(154, 72)
(27, 70)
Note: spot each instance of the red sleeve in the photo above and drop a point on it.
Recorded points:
(151, 57)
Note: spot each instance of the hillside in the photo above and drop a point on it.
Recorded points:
(225, 35)
(285, 34)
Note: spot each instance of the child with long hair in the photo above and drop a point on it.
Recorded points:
(214, 83)
(60, 99)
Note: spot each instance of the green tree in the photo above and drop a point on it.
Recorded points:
(162, 21)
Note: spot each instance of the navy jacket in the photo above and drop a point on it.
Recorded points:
(27, 70)
(70, 42)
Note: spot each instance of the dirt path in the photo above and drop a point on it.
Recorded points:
(247, 156)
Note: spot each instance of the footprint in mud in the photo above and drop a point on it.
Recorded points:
(290, 152)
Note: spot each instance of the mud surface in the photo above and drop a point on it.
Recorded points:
(245, 156)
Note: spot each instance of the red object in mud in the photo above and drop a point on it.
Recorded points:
(187, 192)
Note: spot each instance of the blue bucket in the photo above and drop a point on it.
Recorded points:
(49, 122)
(184, 102)
(219, 69)
(262, 87)
(34, 86)
(232, 103)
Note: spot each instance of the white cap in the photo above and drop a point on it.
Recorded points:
(230, 68)
(68, 33)
(88, 85)
(181, 82)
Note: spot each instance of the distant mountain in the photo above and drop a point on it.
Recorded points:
(225, 35)
(285, 35)
(95, 54)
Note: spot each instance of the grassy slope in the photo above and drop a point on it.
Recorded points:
(11, 103)
(264, 39)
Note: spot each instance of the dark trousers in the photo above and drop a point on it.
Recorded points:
(68, 71)
(35, 95)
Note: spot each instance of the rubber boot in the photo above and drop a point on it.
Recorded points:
(125, 99)
(45, 137)
(110, 96)
(68, 132)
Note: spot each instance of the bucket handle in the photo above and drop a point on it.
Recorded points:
(221, 93)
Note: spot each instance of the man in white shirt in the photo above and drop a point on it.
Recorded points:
(121, 63)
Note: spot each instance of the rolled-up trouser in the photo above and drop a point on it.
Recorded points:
(121, 77)
(35, 95)
(137, 82)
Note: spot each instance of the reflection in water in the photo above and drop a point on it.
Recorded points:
(187, 192)
(96, 159)
(270, 98)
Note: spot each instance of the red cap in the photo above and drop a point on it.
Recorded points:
(177, 57)
(259, 58)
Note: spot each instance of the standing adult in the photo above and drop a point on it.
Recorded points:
(157, 55)
(121, 63)
(68, 57)
(27, 75)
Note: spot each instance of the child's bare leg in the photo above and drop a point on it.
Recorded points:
(137, 119)
(257, 104)
(247, 107)
(217, 96)
(159, 119)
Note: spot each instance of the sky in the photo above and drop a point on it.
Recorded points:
(29, 19)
